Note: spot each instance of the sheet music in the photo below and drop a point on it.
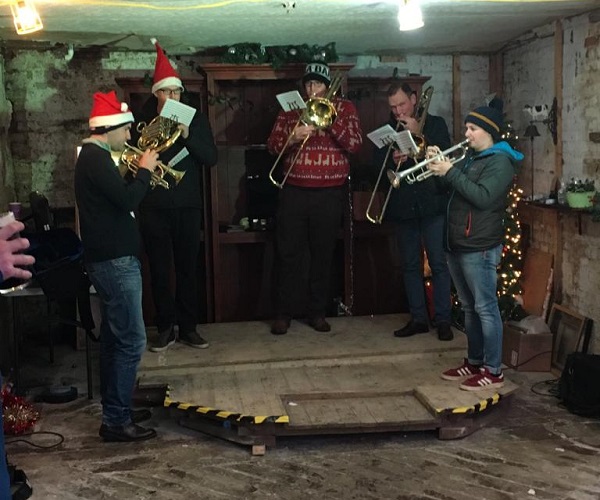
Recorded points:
(177, 111)
(382, 136)
(406, 143)
(178, 157)
(291, 101)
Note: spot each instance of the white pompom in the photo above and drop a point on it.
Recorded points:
(124, 107)
(154, 41)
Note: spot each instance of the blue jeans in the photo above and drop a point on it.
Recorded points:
(413, 234)
(122, 334)
(4, 479)
(474, 275)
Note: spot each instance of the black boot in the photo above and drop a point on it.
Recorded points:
(411, 328)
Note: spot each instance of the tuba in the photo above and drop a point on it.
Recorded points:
(419, 139)
(319, 112)
(160, 134)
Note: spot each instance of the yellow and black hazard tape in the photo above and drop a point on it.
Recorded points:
(479, 407)
(226, 415)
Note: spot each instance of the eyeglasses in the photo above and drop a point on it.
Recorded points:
(169, 92)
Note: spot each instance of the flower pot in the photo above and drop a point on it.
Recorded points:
(580, 200)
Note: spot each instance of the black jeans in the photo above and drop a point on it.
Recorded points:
(173, 233)
(307, 220)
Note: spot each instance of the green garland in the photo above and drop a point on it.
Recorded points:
(278, 55)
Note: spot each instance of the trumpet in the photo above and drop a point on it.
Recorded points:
(131, 156)
(420, 172)
(321, 113)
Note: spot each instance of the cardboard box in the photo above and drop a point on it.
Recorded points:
(527, 352)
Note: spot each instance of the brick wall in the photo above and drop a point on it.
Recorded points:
(529, 79)
(51, 97)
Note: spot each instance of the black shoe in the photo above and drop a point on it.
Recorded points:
(411, 328)
(140, 415)
(193, 340)
(319, 324)
(125, 433)
(166, 338)
(280, 326)
(445, 331)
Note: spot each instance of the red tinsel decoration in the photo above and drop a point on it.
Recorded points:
(19, 415)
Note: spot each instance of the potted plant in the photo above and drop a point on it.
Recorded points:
(580, 193)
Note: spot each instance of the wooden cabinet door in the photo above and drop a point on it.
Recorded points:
(242, 108)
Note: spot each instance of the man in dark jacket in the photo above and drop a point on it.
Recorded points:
(171, 219)
(418, 209)
(111, 244)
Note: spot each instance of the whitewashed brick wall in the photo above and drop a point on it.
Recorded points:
(529, 79)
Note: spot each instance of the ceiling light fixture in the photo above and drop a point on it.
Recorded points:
(25, 17)
(409, 15)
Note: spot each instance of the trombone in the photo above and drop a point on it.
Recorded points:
(420, 172)
(421, 110)
(378, 219)
(319, 112)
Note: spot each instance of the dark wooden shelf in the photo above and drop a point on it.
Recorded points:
(558, 207)
(237, 237)
(561, 210)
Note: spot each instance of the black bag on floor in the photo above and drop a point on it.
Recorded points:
(20, 488)
(579, 384)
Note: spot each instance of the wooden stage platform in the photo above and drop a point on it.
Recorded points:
(251, 386)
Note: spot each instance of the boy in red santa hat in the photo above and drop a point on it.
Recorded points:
(111, 244)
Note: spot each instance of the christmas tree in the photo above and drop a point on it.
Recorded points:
(511, 265)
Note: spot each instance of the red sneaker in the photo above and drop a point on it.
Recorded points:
(483, 380)
(464, 370)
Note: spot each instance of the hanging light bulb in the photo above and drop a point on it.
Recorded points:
(25, 17)
(409, 15)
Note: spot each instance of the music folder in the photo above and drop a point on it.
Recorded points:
(291, 101)
(382, 136)
(177, 111)
(406, 143)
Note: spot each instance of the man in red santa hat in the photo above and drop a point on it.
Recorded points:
(171, 219)
(111, 244)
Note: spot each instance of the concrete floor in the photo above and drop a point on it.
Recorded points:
(538, 450)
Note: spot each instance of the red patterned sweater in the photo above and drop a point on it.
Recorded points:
(323, 161)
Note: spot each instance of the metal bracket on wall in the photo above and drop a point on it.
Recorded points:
(551, 121)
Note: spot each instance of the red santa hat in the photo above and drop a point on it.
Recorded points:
(164, 74)
(108, 113)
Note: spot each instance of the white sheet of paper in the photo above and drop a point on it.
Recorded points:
(406, 143)
(178, 157)
(290, 101)
(382, 136)
(177, 111)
